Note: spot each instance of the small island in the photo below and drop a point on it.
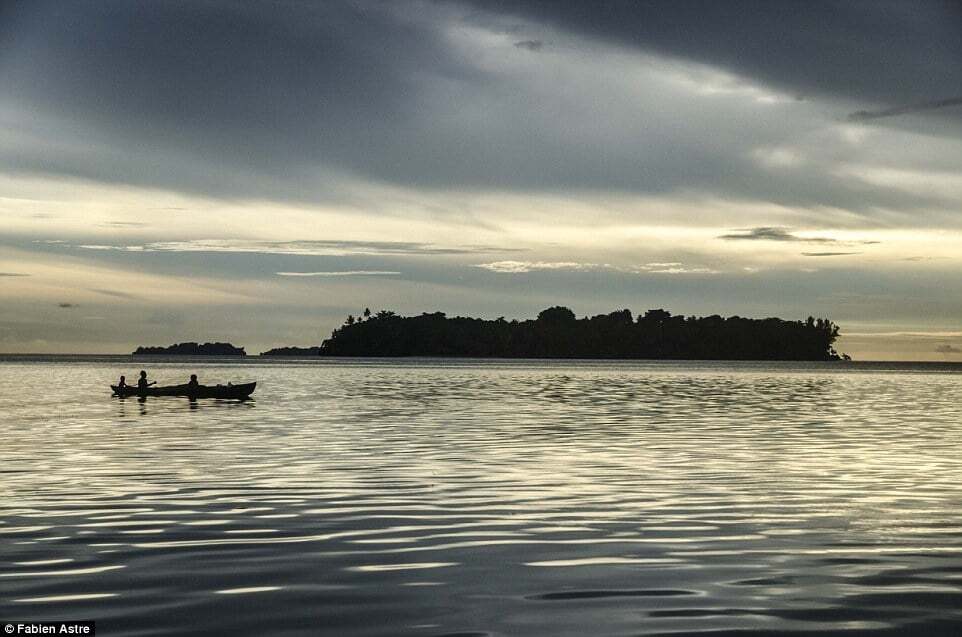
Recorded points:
(558, 333)
(192, 349)
(292, 351)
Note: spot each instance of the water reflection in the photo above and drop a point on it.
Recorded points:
(166, 403)
(438, 498)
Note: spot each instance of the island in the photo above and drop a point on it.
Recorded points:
(292, 351)
(558, 333)
(192, 349)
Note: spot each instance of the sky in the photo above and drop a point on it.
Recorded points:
(254, 172)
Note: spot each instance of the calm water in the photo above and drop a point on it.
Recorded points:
(488, 498)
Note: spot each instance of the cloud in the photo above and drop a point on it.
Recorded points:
(341, 273)
(66, 305)
(771, 233)
(948, 349)
(778, 158)
(300, 248)
(678, 269)
(828, 254)
(917, 107)
(521, 267)
(518, 267)
(907, 333)
(115, 294)
(317, 102)
(877, 52)
(530, 45)
(12, 274)
(105, 248)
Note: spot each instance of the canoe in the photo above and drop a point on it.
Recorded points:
(239, 392)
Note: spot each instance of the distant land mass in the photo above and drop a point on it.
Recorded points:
(558, 333)
(193, 349)
(293, 351)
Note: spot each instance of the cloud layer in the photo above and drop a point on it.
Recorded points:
(917, 107)
(308, 101)
(340, 273)
(524, 267)
(301, 248)
(781, 234)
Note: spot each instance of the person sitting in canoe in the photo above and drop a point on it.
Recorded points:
(142, 383)
(192, 385)
(123, 383)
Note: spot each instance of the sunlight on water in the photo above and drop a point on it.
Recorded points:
(487, 498)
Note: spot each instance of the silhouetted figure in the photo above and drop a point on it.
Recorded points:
(192, 389)
(123, 383)
(142, 383)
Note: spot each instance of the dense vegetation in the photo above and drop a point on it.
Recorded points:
(557, 333)
(193, 349)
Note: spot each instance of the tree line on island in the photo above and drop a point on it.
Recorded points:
(192, 349)
(558, 333)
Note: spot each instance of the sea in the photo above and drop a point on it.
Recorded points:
(470, 498)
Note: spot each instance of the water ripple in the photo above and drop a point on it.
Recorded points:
(497, 498)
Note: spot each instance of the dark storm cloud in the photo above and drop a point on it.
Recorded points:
(885, 52)
(829, 254)
(293, 100)
(12, 274)
(66, 306)
(918, 107)
(269, 88)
